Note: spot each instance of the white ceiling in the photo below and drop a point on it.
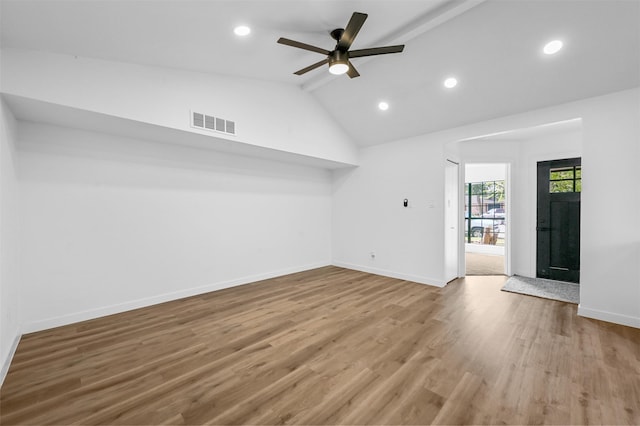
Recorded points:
(493, 47)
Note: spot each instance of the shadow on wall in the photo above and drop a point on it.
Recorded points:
(151, 164)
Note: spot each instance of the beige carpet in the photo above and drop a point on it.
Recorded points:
(484, 264)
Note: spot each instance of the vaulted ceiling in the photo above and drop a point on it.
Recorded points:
(493, 48)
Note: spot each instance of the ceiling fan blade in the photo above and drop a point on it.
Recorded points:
(312, 67)
(304, 46)
(352, 72)
(351, 31)
(376, 51)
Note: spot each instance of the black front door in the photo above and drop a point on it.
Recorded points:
(558, 220)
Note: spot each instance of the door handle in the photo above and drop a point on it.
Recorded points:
(543, 228)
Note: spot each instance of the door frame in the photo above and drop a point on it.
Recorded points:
(452, 239)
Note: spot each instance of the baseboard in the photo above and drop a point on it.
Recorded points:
(6, 363)
(154, 300)
(391, 274)
(609, 316)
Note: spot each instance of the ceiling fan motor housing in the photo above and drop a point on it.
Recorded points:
(338, 57)
(337, 33)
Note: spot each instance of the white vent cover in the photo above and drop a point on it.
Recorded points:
(198, 120)
(209, 122)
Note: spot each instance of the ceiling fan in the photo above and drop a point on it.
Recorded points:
(338, 58)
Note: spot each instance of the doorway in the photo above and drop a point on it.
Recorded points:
(558, 219)
(485, 218)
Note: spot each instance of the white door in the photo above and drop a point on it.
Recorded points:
(451, 221)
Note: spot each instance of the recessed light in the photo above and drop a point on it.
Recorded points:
(450, 83)
(552, 47)
(242, 30)
(383, 106)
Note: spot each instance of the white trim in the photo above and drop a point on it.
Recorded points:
(7, 361)
(458, 237)
(508, 228)
(161, 298)
(392, 274)
(609, 316)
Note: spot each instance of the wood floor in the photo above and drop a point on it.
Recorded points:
(332, 346)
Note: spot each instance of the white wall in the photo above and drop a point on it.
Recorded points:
(270, 115)
(610, 280)
(480, 172)
(112, 224)
(367, 213)
(10, 315)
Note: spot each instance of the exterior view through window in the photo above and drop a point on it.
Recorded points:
(485, 213)
(565, 179)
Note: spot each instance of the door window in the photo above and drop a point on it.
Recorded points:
(565, 179)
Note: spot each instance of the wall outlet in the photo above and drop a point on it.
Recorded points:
(372, 254)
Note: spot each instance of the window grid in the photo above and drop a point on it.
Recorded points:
(565, 179)
(484, 209)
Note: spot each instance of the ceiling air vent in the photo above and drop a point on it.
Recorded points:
(198, 120)
(215, 124)
(209, 122)
(220, 124)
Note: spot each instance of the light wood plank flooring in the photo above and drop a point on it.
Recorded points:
(332, 346)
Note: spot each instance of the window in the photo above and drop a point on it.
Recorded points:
(565, 179)
(485, 212)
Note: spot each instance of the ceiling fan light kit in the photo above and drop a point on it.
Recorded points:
(338, 58)
(338, 62)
